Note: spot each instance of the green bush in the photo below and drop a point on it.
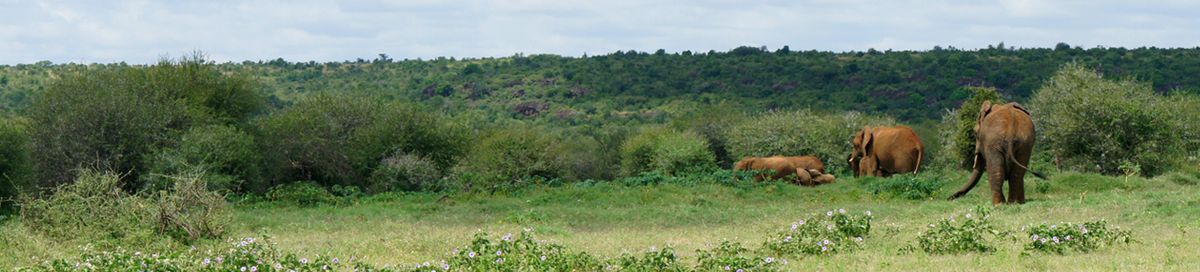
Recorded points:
(834, 232)
(798, 133)
(93, 208)
(664, 150)
(227, 155)
(970, 234)
(1066, 237)
(301, 193)
(508, 158)
(904, 186)
(404, 172)
(111, 119)
(731, 256)
(189, 212)
(1096, 124)
(15, 166)
(518, 253)
(583, 157)
(341, 139)
(957, 128)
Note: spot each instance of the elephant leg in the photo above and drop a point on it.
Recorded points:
(996, 176)
(1016, 178)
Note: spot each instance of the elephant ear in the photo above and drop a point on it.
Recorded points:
(983, 111)
(1022, 108)
(868, 136)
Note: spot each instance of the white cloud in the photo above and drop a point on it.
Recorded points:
(142, 31)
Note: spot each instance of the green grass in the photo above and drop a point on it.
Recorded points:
(607, 220)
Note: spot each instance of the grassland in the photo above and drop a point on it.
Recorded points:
(607, 220)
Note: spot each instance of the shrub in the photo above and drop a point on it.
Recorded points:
(733, 257)
(957, 128)
(15, 167)
(904, 186)
(834, 232)
(189, 211)
(651, 260)
(798, 133)
(583, 157)
(1066, 237)
(247, 254)
(404, 172)
(111, 119)
(227, 155)
(1098, 124)
(953, 236)
(668, 151)
(341, 139)
(508, 158)
(302, 193)
(92, 208)
(514, 254)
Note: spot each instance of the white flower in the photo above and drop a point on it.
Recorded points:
(794, 226)
(841, 210)
(507, 237)
(824, 248)
(740, 270)
(801, 222)
(868, 213)
(1035, 237)
(499, 260)
(931, 226)
(254, 269)
(1055, 239)
(968, 216)
(769, 260)
(426, 264)
(827, 242)
(829, 213)
(471, 254)
(1043, 240)
(726, 268)
(446, 267)
(543, 258)
(304, 260)
(858, 239)
(787, 239)
(499, 252)
(242, 268)
(206, 261)
(1053, 226)
(1068, 237)
(1084, 230)
(653, 248)
(335, 260)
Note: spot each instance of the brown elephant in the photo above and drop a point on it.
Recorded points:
(1004, 137)
(812, 177)
(783, 166)
(883, 151)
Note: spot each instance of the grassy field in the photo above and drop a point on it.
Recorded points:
(608, 220)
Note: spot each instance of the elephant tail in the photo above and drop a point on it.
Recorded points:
(1014, 161)
(920, 154)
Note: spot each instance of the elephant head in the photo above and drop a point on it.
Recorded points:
(862, 149)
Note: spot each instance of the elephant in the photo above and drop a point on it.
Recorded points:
(783, 166)
(883, 151)
(812, 177)
(1004, 138)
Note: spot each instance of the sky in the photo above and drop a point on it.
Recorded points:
(304, 30)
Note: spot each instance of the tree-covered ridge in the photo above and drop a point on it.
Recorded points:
(910, 85)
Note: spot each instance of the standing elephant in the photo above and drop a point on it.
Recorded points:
(783, 166)
(1004, 136)
(883, 151)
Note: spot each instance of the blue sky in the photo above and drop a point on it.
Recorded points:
(302, 30)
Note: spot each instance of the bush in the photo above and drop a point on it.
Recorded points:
(247, 254)
(92, 208)
(15, 167)
(227, 155)
(904, 186)
(508, 158)
(514, 254)
(799, 133)
(664, 150)
(1096, 124)
(302, 193)
(583, 158)
(733, 257)
(111, 119)
(404, 172)
(834, 232)
(651, 260)
(341, 139)
(1066, 237)
(189, 211)
(957, 128)
(952, 236)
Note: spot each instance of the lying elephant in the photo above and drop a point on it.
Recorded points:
(784, 166)
(812, 177)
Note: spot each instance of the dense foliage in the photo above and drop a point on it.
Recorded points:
(1110, 126)
(15, 166)
(795, 133)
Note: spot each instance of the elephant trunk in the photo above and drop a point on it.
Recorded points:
(975, 174)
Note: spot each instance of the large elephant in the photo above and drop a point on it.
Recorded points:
(883, 151)
(779, 167)
(1004, 137)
